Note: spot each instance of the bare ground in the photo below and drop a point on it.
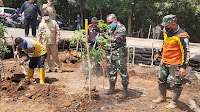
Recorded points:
(68, 91)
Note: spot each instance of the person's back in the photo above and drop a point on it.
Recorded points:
(158, 29)
(50, 8)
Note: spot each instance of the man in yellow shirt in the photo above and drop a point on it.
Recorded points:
(49, 36)
(36, 53)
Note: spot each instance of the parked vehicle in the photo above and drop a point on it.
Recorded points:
(7, 12)
(62, 24)
(4, 21)
(16, 21)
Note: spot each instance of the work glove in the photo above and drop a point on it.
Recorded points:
(16, 53)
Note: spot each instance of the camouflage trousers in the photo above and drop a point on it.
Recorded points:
(118, 64)
(173, 71)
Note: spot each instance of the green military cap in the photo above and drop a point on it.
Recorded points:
(168, 19)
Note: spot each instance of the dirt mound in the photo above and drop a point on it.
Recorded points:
(69, 56)
(15, 89)
(81, 103)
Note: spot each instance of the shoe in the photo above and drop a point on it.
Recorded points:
(171, 105)
(124, 92)
(162, 95)
(30, 74)
(34, 36)
(42, 75)
(26, 35)
(111, 89)
(175, 97)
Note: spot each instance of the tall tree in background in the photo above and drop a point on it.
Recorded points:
(134, 14)
(124, 10)
(97, 6)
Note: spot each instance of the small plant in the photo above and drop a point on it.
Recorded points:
(96, 54)
(3, 47)
(79, 35)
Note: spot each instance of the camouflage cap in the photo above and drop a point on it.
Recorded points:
(168, 19)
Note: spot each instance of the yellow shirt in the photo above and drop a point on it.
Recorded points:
(39, 49)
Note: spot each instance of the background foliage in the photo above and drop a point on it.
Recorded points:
(134, 14)
(3, 47)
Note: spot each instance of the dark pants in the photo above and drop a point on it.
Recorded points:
(37, 61)
(33, 23)
(92, 45)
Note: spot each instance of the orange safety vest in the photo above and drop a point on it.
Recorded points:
(173, 52)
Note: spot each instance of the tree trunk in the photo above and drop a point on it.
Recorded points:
(129, 24)
(100, 14)
(69, 12)
(81, 17)
(81, 13)
(129, 21)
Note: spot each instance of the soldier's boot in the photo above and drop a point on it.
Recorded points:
(124, 92)
(42, 75)
(111, 89)
(175, 97)
(162, 93)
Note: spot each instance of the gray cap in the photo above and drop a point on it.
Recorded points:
(94, 19)
(45, 12)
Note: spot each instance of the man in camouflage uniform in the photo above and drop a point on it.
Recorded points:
(118, 60)
(175, 57)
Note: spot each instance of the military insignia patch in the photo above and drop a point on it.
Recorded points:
(186, 40)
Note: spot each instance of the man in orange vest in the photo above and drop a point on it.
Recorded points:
(175, 57)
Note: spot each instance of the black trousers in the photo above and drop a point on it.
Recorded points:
(37, 62)
(33, 23)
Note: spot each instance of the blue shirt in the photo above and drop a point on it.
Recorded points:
(79, 20)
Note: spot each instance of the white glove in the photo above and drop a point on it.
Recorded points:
(30, 55)
(16, 53)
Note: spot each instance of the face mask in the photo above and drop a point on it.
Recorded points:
(46, 17)
(169, 29)
(113, 25)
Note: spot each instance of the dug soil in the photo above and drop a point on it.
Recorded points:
(68, 91)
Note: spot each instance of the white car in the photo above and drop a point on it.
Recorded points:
(7, 12)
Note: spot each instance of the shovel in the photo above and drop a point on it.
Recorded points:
(24, 71)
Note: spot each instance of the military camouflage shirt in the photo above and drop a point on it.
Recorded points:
(118, 40)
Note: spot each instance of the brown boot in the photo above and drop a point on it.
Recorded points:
(162, 95)
(176, 95)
